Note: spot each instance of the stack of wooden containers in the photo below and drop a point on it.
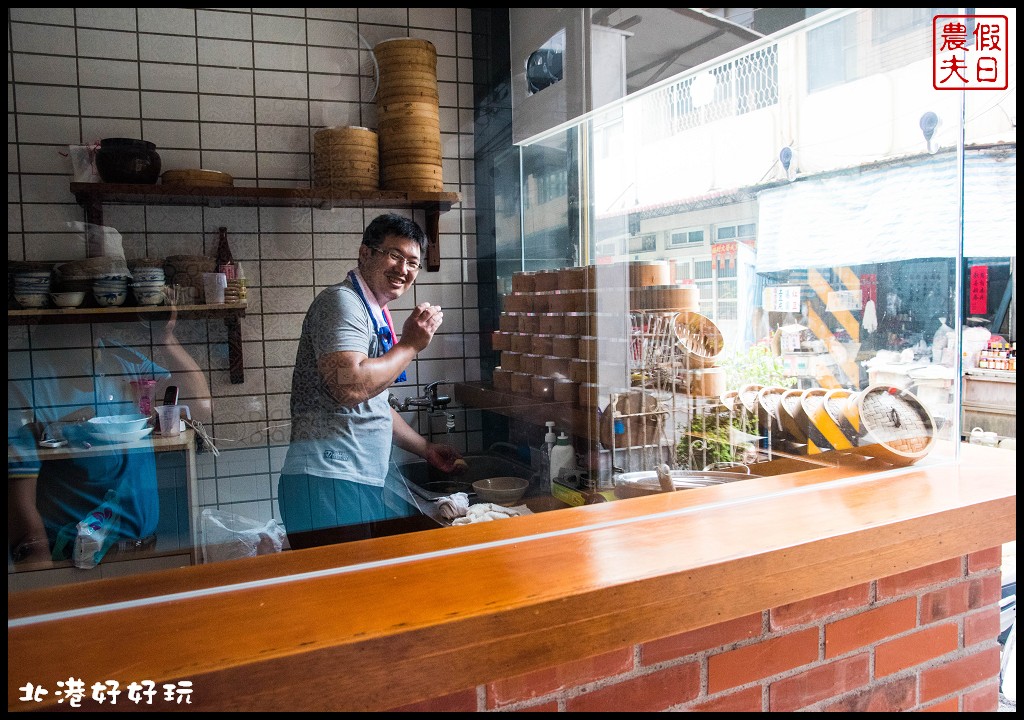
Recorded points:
(345, 159)
(408, 116)
(552, 336)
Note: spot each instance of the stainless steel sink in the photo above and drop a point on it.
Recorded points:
(430, 483)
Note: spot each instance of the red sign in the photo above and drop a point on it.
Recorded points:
(979, 290)
(970, 52)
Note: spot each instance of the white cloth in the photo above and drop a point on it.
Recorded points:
(453, 506)
(870, 321)
(486, 512)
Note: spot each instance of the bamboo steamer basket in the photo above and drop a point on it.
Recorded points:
(822, 432)
(897, 427)
(680, 298)
(580, 323)
(574, 278)
(197, 178)
(414, 155)
(502, 379)
(699, 338)
(522, 383)
(530, 363)
(554, 367)
(408, 109)
(541, 344)
(523, 281)
(542, 387)
(589, 395)
(712, 381)
(408, 54)
(501, 340)
(746, 400)
(346, 158)
(518, 302)
(552, 323)
(653, 272)
(545, 281)
(840, 405)
(426, 172)
(529, 323)
(567, 390)
(521, 342)
(508, 322)
(510, 360)
(791, 415)
(582, 371)
(565, 346)
(768, 399)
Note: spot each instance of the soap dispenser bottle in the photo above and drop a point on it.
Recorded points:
(549, 444)
(563, 457)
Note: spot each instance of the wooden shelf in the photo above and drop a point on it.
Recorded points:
(92, 197)
(124, 313)
(231, 313)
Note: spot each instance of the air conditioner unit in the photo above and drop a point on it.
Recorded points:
(563, 67)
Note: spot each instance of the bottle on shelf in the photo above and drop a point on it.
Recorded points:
(225, 260)
(549, 444)
(563, 457)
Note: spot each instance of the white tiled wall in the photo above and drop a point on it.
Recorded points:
(242, 91)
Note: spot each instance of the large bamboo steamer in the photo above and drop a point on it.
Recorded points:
(417, 142)
(428, 127)
(427, 171)
(407, 93)
(408, 115)
(407, 109)
(403, 46)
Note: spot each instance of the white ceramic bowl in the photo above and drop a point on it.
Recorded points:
(501, 490)
(148, 297)
(67, 299)
(110, 298)
(32, 300)
(117, 424)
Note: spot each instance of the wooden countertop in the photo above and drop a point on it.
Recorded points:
(375, 624)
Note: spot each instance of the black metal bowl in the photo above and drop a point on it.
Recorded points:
(125, 160)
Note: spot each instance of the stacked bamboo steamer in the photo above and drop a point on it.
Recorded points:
(346, 158)
(408, 116)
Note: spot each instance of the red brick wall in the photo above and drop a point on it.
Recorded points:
(921, 640)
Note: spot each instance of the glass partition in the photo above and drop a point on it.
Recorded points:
(793, 252)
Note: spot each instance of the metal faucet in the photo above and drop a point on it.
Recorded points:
(430, 401)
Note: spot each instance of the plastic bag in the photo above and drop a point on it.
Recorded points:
(226, 536)
(93, 536)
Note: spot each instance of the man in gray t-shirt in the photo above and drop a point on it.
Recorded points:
(335, 473)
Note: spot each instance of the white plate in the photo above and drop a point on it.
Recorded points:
(121, 437)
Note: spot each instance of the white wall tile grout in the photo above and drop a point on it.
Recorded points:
(241, 91)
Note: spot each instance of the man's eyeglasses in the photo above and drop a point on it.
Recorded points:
(399, 258)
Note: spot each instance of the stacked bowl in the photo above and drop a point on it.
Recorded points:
(32, 288)
(148, 285)
(110, 290)
(80, 276)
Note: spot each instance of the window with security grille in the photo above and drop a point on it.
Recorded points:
(747, 83)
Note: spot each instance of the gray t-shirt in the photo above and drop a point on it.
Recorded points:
(328, 439)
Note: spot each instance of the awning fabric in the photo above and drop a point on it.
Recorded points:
(899, 212)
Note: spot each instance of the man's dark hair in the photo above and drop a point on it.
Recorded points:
(388, 224)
